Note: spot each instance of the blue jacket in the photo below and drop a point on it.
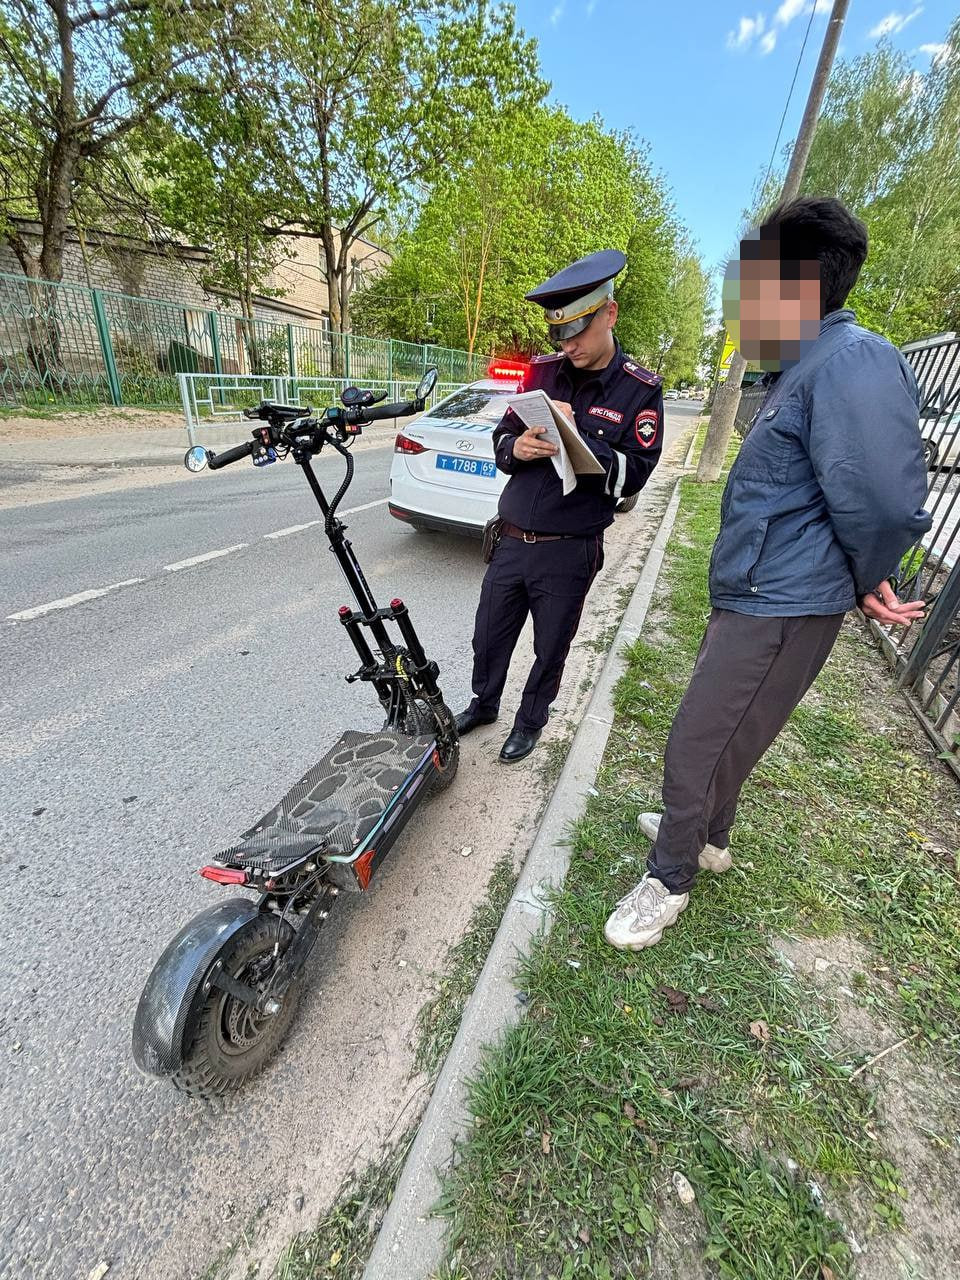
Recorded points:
(827, 491)
(619, 415)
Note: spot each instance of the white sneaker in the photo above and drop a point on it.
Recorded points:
(711, 858)
(641, 917)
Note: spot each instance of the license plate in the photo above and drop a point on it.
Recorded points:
(466, 466)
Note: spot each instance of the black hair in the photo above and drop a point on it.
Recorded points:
(814, 229)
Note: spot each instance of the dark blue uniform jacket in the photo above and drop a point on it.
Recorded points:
(619, 414)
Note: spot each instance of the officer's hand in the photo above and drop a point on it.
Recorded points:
(566, 409)
(884, 606)
(529, 447)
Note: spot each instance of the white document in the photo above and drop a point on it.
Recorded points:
(573, 458)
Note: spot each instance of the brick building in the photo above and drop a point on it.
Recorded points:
(172, 271)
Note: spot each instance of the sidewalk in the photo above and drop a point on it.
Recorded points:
(47, 443)
(772, 1091)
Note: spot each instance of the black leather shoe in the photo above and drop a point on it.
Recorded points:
(468, 720)
(518, 746)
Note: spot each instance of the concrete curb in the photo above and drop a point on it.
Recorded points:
(410, 1244)
(117, 464)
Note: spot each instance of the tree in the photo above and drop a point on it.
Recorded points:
(75, 84)
(383, 96)
(540, 191)
(219, 163)
(686, 317)
(888, 146)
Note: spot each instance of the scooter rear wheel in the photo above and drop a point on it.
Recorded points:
(232, 1041)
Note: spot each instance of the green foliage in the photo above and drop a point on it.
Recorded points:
(537, 191)
(384, 97)
(888, 146)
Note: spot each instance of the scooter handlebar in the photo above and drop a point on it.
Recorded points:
(402, 409)
(217, 460)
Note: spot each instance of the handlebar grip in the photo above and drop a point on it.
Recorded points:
(400, 410)
(217, 460)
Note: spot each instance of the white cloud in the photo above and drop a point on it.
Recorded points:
(748, 31)
(791, 9)
(768, 42)
(557, 13)
(936, 51)
(893, 23)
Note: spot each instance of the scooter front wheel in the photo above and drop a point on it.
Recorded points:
(234, 1041)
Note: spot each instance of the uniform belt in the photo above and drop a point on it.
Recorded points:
(513, 531)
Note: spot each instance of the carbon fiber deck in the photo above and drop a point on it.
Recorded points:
(335, 804)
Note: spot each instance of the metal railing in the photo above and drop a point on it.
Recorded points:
(210, 401)
(926, 656)
(65, 344)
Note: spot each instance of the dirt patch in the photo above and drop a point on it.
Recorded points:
(917, 1116)
(72, 423)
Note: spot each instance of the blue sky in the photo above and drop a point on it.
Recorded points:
(705, 81)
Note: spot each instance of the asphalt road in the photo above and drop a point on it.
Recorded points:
(140, 730)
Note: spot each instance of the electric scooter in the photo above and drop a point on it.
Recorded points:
(224, 992)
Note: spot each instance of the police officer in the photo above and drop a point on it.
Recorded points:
(551, 546)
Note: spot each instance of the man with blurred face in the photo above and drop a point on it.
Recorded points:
(825, 496)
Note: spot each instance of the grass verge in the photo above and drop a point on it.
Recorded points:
(706, 1063)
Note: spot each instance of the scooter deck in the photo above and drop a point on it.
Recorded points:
(335, 805)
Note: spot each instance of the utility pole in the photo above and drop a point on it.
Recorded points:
(727, 399)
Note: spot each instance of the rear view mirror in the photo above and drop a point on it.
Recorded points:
(426, 384)
(195, 459)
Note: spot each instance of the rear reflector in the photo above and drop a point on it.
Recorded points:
(224, 875)
(405, 445)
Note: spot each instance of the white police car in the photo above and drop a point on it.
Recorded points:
(444, 475)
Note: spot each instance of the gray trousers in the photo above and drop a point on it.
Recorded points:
(750, 674)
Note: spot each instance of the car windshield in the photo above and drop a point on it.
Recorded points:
(474, 404)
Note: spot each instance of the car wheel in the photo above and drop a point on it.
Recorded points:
(627, 504)
(930, 455)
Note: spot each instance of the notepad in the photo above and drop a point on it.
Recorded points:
(573, 458)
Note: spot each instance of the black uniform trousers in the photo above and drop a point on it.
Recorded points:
(750, 674)
(549, 580)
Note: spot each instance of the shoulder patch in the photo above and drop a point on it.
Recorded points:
(557, 355)
(642, 375)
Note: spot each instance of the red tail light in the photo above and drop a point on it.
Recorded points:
(224, 875)
(405, 445)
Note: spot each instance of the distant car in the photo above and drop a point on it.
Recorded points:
(444, 476)
(941, 440)
(671, 395)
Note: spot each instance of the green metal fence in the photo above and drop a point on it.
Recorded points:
(64, 344)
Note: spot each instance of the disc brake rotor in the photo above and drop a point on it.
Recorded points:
(242, 1025)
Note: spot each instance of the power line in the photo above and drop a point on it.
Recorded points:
(786, 105)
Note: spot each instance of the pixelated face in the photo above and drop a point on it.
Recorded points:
(590, 348)
(771, 308)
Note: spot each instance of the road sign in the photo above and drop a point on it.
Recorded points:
(724, 366)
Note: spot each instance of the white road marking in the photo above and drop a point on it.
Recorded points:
(294, 528)
(27, 615)
(298, 528)
(366, 507)
(210, 555)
